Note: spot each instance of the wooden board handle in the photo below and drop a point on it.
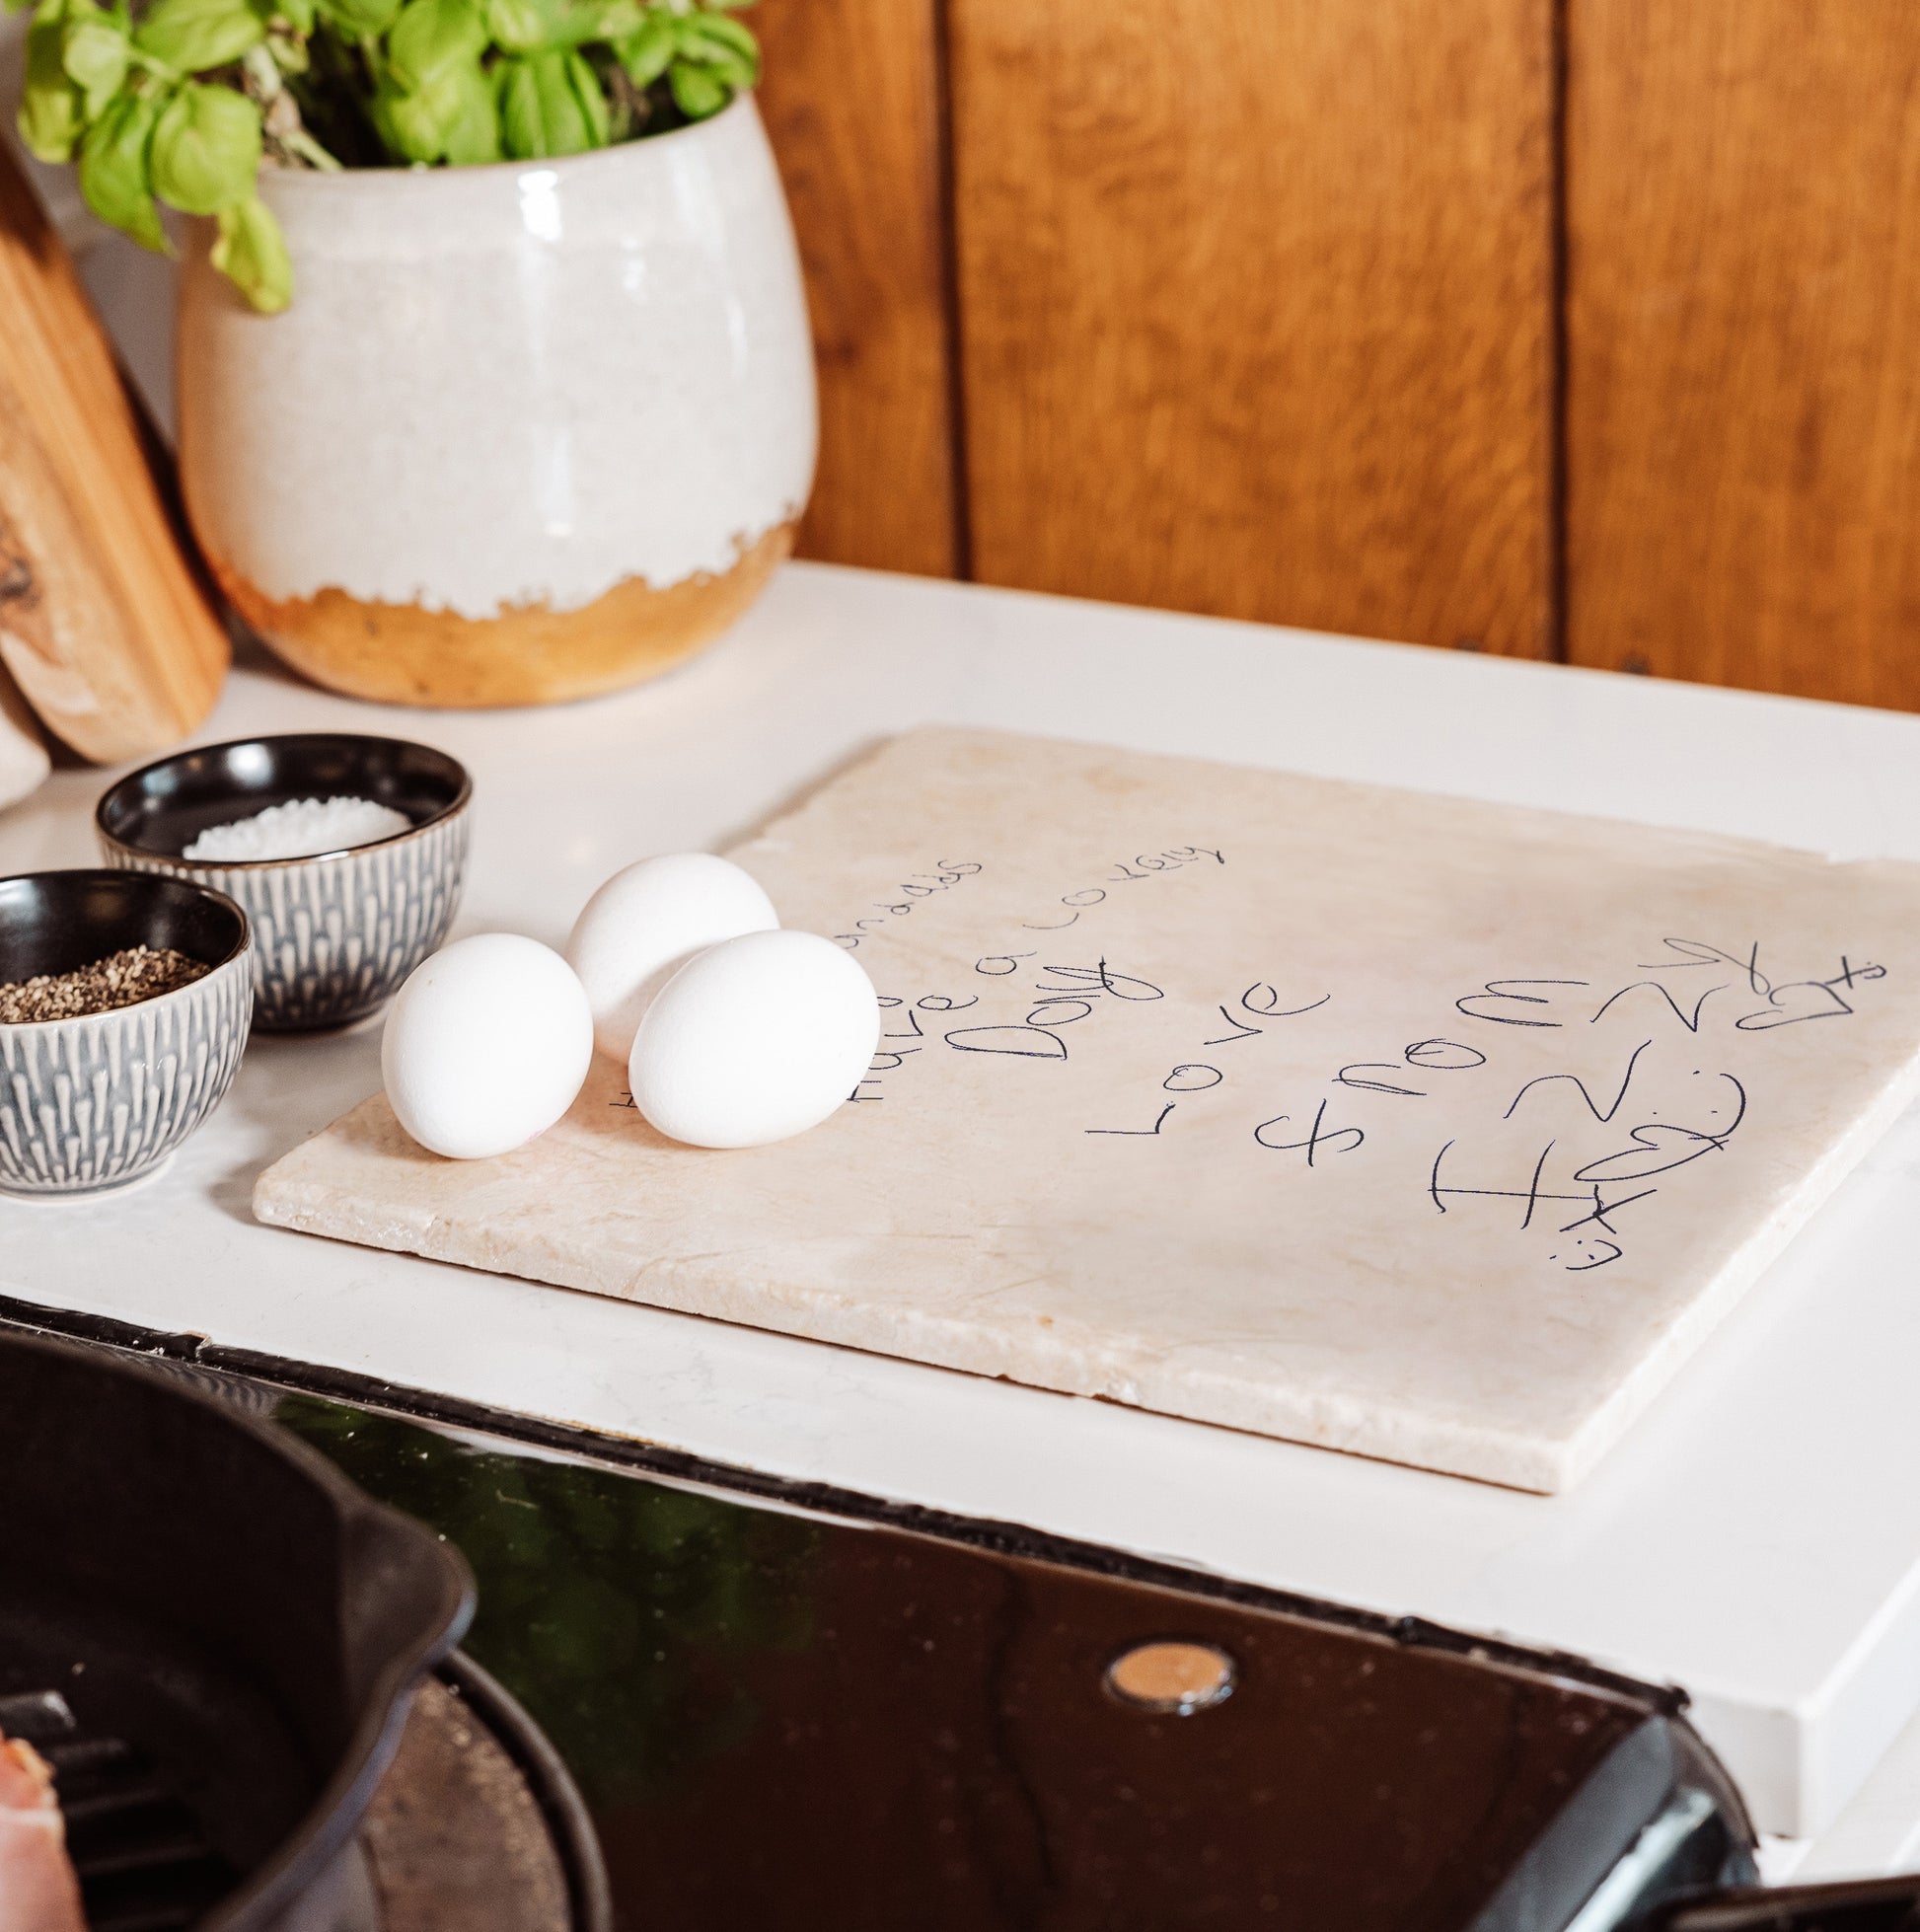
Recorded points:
(24, 763)
(102, 622)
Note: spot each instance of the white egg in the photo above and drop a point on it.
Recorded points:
(755, 1040)
(647, 922)
(486, 1045)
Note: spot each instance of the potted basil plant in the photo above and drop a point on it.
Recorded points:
(495, 380)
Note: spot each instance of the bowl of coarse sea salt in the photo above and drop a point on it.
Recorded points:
(348, 852)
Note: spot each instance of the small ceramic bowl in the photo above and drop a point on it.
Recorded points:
(96, 1103)
(333, 935)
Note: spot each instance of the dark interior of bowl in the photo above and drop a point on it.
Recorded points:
(57, 921)
(215, 1604)
(165, 807)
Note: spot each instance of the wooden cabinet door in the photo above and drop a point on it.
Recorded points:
(1256, 308)
(854, 101)
(1378, 317)
(1743, 343)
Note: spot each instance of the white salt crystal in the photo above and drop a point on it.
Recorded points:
(300, 829)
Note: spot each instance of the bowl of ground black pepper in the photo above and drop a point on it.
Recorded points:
(349, 853)
(124, 1004)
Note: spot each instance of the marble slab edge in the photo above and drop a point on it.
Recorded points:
(297, 1193)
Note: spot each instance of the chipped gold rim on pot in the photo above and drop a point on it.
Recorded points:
(528, 655)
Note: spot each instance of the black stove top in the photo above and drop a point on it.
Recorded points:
(799, 1708)
(779, 1718)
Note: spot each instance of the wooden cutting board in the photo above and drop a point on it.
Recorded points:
(103, 623)
(23, 756)
(1433, 1130)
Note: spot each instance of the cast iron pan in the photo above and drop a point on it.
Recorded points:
(212, 1600)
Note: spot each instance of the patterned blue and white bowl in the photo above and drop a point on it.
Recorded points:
(96, 1103)
(335, 934)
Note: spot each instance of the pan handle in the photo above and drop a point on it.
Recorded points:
(1862, 1905)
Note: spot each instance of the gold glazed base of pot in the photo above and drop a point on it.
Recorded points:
(403, 654)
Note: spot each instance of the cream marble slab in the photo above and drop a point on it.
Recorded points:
(1427, 1129)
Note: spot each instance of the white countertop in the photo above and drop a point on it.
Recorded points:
(1757, 1538)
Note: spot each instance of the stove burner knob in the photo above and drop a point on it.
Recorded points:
(1171, 1678)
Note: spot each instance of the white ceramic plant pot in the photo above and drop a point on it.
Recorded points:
(528, 431)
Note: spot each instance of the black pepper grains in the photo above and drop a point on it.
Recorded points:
(123, 979)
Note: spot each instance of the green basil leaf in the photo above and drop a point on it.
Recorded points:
(475, 136)
(615, 20)
(591, 99)
(409, 122)
(50, 118)
(358, 19)
(451, 115)
(432, 38)
(701, 34)
(696, 91)
(206, 149)
(191, 35)
(94, 53)
(298, 15)
(733, 73)
(523, 134)
(114, 177)
(527, 25)
(581, 20)
(646, 53)
(551, 103)
(252, 252)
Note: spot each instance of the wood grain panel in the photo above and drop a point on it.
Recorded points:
(1743, 333)
(1256, 306)
(852, 102)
